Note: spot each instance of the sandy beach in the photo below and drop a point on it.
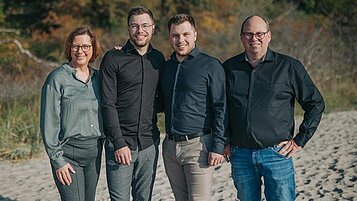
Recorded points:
(326, 169)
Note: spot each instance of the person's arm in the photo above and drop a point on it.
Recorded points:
(311, 101)
(227, 147)
(108, 88)
(217, 92)
(159, 99)
(50, 124)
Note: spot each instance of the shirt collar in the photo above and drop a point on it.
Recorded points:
(194, 53)
(269, 56)
(73, 71)
(68, 68)
(129, 48)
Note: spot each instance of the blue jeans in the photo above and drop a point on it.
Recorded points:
(139, 176)
(249, 166)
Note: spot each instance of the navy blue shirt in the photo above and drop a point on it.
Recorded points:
(194, 98)
(261, 101)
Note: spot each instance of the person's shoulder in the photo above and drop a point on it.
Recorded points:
(286, 58)
(210, 64)
(114, 52)
(58, 72)
(234, 59)
(158, 54)
(209, 59)
(289, 61)
(232, 62)
(57, 75)
(114, 58)
(170, 61)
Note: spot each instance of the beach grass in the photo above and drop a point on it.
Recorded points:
(19, 127)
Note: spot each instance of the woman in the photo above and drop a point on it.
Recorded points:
(71, 122)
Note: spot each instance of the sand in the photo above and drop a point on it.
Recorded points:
(326, 169)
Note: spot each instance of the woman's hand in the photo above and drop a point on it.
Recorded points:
(63, 174)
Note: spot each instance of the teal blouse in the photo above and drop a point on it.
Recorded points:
(70, 108)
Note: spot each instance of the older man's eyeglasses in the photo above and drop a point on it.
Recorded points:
(250, 35)
(145, 27)
(85, 48)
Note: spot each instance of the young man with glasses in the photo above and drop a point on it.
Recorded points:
(262, 87)
(129, 79)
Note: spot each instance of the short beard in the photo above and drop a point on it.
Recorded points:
(138, 45)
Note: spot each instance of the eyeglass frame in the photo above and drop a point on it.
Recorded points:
(144, 27)
(80, 46)
(256, 34)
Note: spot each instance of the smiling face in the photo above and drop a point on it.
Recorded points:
(138, 36)
(182, 39)
(79, 57)
(254, 47)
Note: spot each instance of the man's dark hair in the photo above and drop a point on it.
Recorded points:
(139, 10)
(179, 19)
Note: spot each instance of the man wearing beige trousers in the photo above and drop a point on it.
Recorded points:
(192, 90)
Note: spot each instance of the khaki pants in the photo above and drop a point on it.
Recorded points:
(186, 165)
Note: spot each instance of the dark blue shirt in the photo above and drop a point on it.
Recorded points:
(261, 101)
(194, 98)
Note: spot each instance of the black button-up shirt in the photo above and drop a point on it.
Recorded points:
(261, 101)
(194, 96)
(128, 87)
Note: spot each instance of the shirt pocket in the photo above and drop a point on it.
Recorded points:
(281, 103)
(238, 83)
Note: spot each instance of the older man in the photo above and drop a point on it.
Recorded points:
(262, 87)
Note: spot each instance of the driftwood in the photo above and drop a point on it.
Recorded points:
(6, 30)
(27, 52)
